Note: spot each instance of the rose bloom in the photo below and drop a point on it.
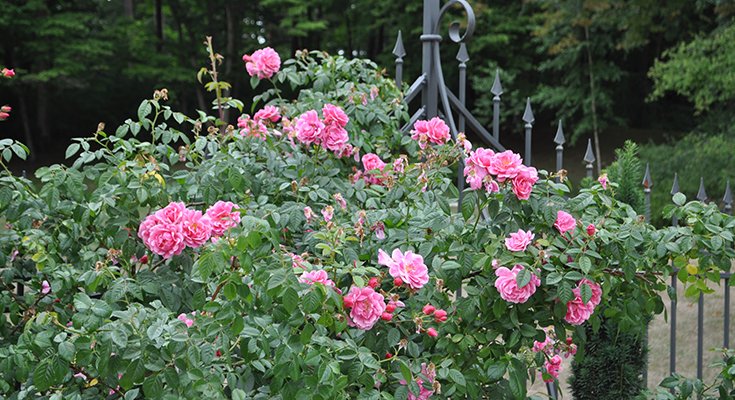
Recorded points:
(367, 307)
(308, 213)
(144, 230)
(262, 63)
(508, 288)
(518, 241)
(4, 115)
(186, 320)
(482, 158)
(541, 346)
(309, 127)
(505, 165)
(8, 73)
(222, 217)
(564, 222)
(553, 367)
(433, 130)
(6, 108)
(334, 115)
(577, 311)
(524, 181)
(334, 137)
(603, 180)
(372, 162)
(318, 276)
(172, 213)
(328, 213)
(268, 113)
(45, 287)
(596, 291)
(409, 267)
(166, 240)
(196, 228)
(252, 127)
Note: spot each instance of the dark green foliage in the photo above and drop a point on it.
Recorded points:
(627, 172)
(611, 367)
(692, 157)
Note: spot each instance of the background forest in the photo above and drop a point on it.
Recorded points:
(659, 73)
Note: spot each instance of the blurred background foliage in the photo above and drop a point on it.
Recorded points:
(659, 73)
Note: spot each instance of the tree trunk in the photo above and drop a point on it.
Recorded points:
(593, 92)
(27, 133)
(129, 9)
(159, 24)
(42, 111)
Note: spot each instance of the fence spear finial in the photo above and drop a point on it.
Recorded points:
(398, 49)
(462, 55)
(647, 181)
(497, 88)
(675, 186)
(589, 155)
(701, 194)
(559, 138)
(528, 113)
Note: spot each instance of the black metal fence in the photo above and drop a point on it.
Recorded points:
(438, 100)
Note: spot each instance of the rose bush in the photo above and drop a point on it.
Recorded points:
(196, 261)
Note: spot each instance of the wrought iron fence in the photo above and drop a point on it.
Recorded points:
(438, 100)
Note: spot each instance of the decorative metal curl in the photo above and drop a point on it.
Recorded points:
(454, 27)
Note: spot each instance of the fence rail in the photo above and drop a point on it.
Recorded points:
(435, 93)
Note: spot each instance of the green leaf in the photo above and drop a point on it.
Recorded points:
(496, 371)
(67, 351)
(457, 377)
(564, 291)
(585, 264)
(144, 109)
(553, 278)
(239, 394)
(517, 376)
(468, 204)
(290, 300)
(523, 277)
(72, 149)
(585, 292)
(679, 199)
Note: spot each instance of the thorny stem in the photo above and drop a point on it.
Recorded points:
(213, 74)
(222, 284)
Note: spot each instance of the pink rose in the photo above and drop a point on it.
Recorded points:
(518, 241)
(268, 113)
(334, 137)
(318, 276)
(340, 200)
(379, 229)
(603, 180)
(308, 213)
(482, 158)
(596, 291)
(591, 229)
(334, 115)
(144, 230)
(8, 73)
(297, 261)
(196, 228)
(222, 217)
(262, 63)
(505, 165)
(524, 181)
(542, 346)
(409, 267)
(367, 307)
(578, 311)
(252, 127)
(186, 320)
(508, 288)
(328, 213)
(45, 287)
(166, 240)
(4, 115)
(433, 130)
(172, 213)
(553, 367)
(564, 222)
(399, 165)
(371, 162)
(309, 127)
(6, 108)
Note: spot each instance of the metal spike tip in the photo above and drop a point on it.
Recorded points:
(727, 199)
(462, 55)
(701, 194)
(647, 181)
(589, 155)
(559, 138)
(497, 88)
(528, 113)
(675, 186)
(398, 50)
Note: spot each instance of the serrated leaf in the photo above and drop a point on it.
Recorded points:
(290, 300)
(553, 278)
(585, 292)
(523, 277)
(585, 264)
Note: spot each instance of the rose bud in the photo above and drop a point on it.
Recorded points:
(591, 229)
(440, 315)
(348, 303)
(390, 308)
(388, 355)
(398, 282)
(429, 309)
(432, 332)
(144, 259)
(373, 283)
(386, 316)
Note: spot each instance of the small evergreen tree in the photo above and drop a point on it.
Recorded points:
(612, 364)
